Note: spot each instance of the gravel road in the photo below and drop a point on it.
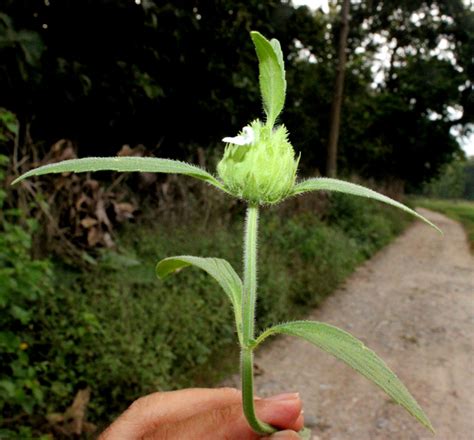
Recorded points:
(413, 304)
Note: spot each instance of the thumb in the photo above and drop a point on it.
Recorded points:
(229, 421)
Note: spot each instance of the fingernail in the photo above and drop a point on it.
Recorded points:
(285, 396)
(283, 435)
(300, 420)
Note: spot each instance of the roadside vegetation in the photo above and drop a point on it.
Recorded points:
(452, 193)
(112, 329)
(460, 210)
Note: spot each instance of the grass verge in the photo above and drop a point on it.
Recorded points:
(460, 210)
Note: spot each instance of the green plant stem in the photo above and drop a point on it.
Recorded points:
(247, 394)
(250, 274)
(248, 317)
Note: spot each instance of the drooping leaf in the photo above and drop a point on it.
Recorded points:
(271, 75)
(219, 269)
(353, 352)
(127, 164)
(327, 184)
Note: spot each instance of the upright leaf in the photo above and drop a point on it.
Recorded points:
(271, 75)
(219, 269)
(127, 164)
(279, 54)
(327, 184)
(354, 353)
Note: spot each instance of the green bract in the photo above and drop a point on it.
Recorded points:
(263, 171)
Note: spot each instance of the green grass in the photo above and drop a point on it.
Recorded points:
(460, 210)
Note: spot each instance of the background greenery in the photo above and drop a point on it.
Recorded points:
(176, 75)
(118, 330)
(455, 181)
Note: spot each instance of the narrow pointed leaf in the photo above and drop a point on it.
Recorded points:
(279, 54)
(127, 164)
(219, 269)
(271, 75)
(327, 184)
(353, 352)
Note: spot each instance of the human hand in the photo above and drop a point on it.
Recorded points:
(201, 413)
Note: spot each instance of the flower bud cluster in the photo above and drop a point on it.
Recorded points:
(259, 165)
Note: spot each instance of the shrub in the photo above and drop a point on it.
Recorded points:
(24, 283)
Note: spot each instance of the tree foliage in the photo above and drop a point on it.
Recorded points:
(177, 75)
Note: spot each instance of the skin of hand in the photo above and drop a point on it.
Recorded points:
(201, 413)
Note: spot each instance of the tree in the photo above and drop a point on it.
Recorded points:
(163, 74)
(406, 134)
(166, 74)
(331, 164)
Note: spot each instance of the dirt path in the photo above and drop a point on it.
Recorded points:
(413, 303)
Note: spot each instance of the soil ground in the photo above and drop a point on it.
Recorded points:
(413, 304)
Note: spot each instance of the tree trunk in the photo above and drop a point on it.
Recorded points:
(331, 163)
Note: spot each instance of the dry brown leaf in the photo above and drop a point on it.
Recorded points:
(123, 211)
(125, 151)
(94, 236)
(62, 150)
(73, 421)
(81, 212)
(83, 200)
(94, 185)
(138, 151)
(107, 239)
(101, 214)
(88, 222)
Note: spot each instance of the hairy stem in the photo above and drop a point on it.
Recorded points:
(250, 274)
(247, 395)
(248, 317)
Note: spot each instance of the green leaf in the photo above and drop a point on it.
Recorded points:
(272, 75)
(219, 269)
(327, 184)
(279, 54)
(353, 352)
(127, 164)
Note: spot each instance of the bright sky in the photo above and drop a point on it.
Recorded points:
(312, 4)
(466, 142)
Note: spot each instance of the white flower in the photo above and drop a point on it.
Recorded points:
(246, 138)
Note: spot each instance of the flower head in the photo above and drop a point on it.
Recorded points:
(259, 164)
